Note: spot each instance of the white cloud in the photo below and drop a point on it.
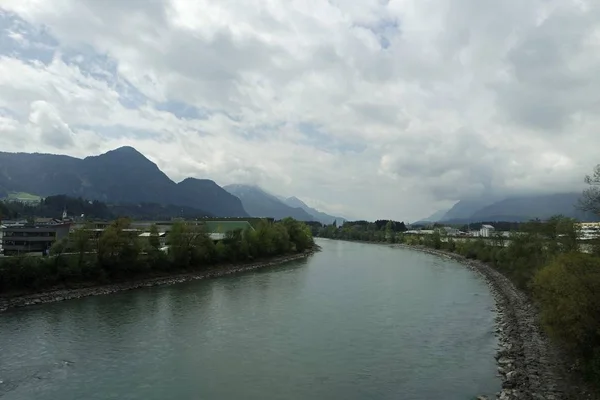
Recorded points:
(409, 104)
(49, 127)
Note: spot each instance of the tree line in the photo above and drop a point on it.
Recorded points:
(53, 207)
(542, 258)
(378, 231)
(119, 254)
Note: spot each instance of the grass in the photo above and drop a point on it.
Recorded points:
(22, 196)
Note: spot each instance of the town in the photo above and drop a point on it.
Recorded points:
(35, 236)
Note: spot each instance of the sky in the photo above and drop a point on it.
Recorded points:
(368, 109)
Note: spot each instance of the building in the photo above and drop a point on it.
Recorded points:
(450, 231)
(24, 239)
(486, 231)
(162, 237)
(589, 230)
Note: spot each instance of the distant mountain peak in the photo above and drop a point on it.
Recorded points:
(125, 151)
(198, 180)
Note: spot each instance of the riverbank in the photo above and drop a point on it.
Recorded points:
(51, 296)
(529, 365)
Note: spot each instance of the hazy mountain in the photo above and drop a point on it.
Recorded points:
(318, 215)
(521, 209)
(259, 203)
(525, 208)
(464, 209)
(120, 176)
(435, 217)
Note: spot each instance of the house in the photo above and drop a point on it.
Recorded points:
(31, 238)
(486, 231)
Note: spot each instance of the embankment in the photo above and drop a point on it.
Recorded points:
(529, 365)
(9, 302)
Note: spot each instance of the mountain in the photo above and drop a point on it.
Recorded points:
(120, 176)
(464, 209)
(318, 215)
(435, 217)
(259, 203)
(520, 209)
(525, 208)
(125, 175)
(207, 195)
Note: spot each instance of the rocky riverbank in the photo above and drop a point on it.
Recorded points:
(529, 365)
(68, 294)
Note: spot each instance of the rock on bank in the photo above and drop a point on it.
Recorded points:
(68, 294)
(529, 365)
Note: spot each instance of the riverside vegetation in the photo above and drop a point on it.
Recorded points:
(543, 259)
(118, 255)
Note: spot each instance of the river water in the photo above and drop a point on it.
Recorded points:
(355, 321)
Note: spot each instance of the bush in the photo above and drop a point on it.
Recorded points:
(568, 291)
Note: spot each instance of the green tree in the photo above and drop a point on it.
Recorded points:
(154, 239)
(189, 245)
(590, 200)
(80, 242)
(118, 248)
(568, 292)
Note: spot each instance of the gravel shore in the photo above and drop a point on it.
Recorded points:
(529, 365)
(68, 294)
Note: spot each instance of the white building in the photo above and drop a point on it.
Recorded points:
(448, 230)
(486, 231)
(589, 230)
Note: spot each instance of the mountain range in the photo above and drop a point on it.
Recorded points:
(513, 209)
(259, 203)
(125, 176)
(318, 215)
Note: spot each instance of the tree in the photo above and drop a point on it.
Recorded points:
(154, 239)
(567, 291)
(590, 200)
(81, 243)
(189, 244)
(118, 247)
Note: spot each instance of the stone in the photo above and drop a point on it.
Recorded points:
(510, 376)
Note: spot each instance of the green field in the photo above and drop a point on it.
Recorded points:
(23, 197)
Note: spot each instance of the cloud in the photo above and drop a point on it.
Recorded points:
(46, 122)
(374, 108)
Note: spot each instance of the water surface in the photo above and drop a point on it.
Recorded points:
(355, 321)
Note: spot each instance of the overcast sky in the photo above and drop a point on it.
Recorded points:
(365, 108)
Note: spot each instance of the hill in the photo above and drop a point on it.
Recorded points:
(259, 203)
(119, 176)
(318, 215)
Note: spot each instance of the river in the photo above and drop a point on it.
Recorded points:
(354, 321)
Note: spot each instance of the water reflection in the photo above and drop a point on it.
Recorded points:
(355, 321)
